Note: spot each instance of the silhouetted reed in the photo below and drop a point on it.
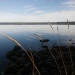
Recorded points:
(61, 53)
(32, 58)
(24, 50)
(39, 37)
(58, 42)
(69, 47)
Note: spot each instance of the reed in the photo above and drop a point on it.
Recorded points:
(69, 48)
(56, 36)
(39, 37)
(51, 26)
(61, 54)
(32, 58)
(24, 50)
(58, 42)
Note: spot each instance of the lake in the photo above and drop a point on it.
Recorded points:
(24, 34)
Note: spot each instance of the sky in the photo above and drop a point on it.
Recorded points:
(37, 10)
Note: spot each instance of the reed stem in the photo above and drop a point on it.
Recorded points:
(24, 50)
(69, 47)
(39, 37)
(61, 53)
(32, 58)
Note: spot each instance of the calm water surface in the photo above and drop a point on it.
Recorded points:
(25, 33)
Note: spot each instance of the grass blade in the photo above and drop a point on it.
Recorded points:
(51, 54)
(60, 49)
(24, 50)
(68, 24)
(39, 37)
(57, 29)
(69, 47)
(32, 58)
(61, 53)
(51, 26)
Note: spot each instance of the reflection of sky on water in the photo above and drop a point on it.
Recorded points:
(63, 29)
(24, 34)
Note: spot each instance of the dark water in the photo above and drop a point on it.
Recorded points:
(25, 37)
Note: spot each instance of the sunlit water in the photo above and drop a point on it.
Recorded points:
(24, 34)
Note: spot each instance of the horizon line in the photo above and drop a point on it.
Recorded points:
(38, 23)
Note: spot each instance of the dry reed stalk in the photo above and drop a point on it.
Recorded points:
(50, 52)
(32, 58)
(54, 59)
(59, 48)
(38, 36)
(69, 47)
(24, 50)
(54, 49)
(61, 53)
(54, 32)
(51, 26)
(68, 24)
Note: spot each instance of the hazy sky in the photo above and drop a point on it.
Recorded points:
(37, 10)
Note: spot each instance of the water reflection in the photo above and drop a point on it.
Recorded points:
(25, 35)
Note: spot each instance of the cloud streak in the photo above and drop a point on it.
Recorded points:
(29, 9)
(39, 11)
(69, 3)
(28, 6)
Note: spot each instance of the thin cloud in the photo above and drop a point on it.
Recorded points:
(30, 9)
(71, 6)
(39, 11)
(28, 6)
(69, 3)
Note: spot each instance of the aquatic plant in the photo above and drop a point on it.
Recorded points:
(32, 58)
(58, 41)
(24, 50)
(69, 48)
(39, 37)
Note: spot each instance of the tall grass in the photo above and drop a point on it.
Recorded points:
(32, 58)
(24, 50)
(61, 53)
(39, 37)
(69, 48)
(58, 42)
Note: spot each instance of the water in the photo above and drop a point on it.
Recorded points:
(25, 34)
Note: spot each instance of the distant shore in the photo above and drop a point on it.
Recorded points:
(37, 23)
